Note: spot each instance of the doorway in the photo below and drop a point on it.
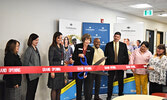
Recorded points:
(159, 38)
(150, 39)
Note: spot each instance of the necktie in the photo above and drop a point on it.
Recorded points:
(116, 56)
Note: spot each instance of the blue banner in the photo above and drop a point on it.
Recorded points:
(101, 31)
(97, 30)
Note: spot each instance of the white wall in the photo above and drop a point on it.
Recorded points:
(19, 18)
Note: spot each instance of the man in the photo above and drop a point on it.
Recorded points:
(129, 46)
(98, 54)
(138, 43)
(74, 42)
(117, 54)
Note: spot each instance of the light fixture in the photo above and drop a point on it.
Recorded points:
(141, 6)
(121, 18)
(163, 15)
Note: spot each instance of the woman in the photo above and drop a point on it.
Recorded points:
(32, 58)
(56, 58)
(67, 58)
(157, 70)
(67, 52)
(13, 82)
(80, 51)
(141, 56)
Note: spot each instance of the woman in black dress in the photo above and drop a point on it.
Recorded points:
(56, 58)
(13, 81)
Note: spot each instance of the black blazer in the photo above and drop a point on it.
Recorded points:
(78, 50)
(123, 57)
(56, 54)
(12, 79)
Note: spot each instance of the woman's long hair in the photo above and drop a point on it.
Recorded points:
(161, 46)
(11, 46)
(56, 34)
(32, 37)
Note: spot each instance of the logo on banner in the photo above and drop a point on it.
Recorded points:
(102, 29)
(128, 29)
(90, 29)
(71, 27)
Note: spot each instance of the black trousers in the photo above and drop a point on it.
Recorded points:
(31, 89)
(119, 74)
(88, 86)
(155, 88)
(97, 79)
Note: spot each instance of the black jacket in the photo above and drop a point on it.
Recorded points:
(12, 79)
(79, 50)
(123, 57)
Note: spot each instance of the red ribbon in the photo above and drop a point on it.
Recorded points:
(61, 69)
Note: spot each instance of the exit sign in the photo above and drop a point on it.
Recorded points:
(148, 12)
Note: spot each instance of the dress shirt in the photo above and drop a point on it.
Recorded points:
(138, 57)
(117, 46)
(98, 54)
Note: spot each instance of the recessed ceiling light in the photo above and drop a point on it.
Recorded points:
(141, 6)
(163, 15)
(140, 22)
(121, 18)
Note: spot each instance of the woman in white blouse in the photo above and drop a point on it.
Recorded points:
(157, 70)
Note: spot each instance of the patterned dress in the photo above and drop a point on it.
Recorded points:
(158, 75)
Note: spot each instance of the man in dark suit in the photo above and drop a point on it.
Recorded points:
(117, 54)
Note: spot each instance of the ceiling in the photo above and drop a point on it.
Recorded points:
(158, 7)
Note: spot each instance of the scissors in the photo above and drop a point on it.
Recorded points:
(80, 74)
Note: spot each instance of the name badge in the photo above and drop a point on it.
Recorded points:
(62, 62)
(80, 48)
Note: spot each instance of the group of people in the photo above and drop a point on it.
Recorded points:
(60, 54)
(31, 58)
(155, 72)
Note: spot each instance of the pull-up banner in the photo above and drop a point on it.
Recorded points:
(62, 69)
(97, 30)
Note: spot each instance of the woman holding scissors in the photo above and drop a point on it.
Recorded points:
(84, 50)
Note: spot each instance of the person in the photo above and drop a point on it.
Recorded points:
(98, 54)
(56, 58)
(67, 52)
(67, 58)
(74, 42)
(81, 50)
(141, 56)
(157, 70)
(13, 81)
(32, 58)
(129, 46)
(116, 53)
(138, 43)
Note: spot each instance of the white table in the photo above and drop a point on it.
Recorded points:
(138, 97)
